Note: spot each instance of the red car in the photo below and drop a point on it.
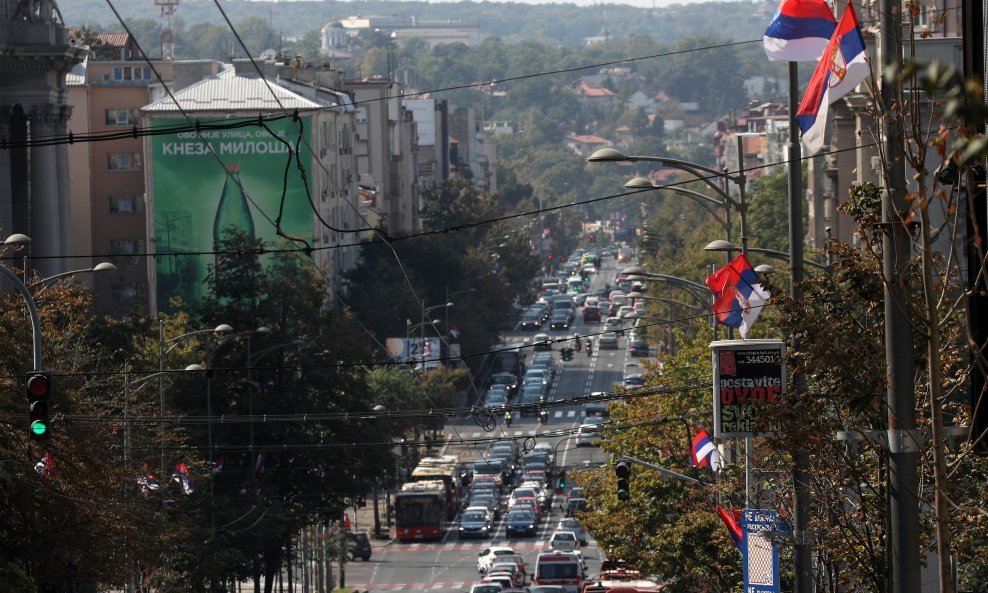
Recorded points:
(591, 314)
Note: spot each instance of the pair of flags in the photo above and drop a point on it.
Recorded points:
(806, 30)
(738, 296)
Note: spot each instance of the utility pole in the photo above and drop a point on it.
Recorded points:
(803, 553)
(896, 252)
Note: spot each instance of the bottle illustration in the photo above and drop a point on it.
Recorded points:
(232, 211)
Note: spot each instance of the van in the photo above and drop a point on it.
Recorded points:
(563, 569)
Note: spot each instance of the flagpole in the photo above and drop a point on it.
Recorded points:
(802, 553)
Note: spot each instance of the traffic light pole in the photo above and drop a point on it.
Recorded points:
(665, 472)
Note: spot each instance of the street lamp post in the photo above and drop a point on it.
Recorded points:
(721, 245)
(164, 347)
(422, 325)
(45, 282)
(702, 172)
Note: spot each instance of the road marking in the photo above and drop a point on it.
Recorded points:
(557, 414)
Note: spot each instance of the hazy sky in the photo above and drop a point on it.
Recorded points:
(639, 3)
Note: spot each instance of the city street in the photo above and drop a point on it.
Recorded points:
(451, 565)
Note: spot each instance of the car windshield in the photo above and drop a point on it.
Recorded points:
(520, 516)
(474, 517)
(564, 536)
(486, 589)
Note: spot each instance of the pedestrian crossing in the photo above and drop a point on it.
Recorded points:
(471, 546)
(434, 586)
(557, 415)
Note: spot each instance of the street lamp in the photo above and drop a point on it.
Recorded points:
(100, 267)
(641, 183)
(722, 245)
(171, 343)
(422, 325)
(703, 173)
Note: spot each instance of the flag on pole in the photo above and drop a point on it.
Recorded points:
(181, 475)
(704, 451)
(218, 465)
(730, 519)
(843, 66)
(799, 31)
(738, 297)
(46, 466)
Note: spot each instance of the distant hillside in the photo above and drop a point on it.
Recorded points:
(564, 24)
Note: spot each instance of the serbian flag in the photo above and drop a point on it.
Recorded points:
(704, 451)
(843, 66)
(738, 297)
(730, 519)
(799, 31)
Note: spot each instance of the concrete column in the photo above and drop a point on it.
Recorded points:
(6, 190)
(44, 206)
(64, 199)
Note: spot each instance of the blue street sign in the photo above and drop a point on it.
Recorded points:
(760, 553)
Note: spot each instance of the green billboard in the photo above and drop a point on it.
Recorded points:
(198, 197)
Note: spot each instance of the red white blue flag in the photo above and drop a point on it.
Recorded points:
(704, 451)
(799, 31)
(730, 519)
(843, 66)
(738, 297)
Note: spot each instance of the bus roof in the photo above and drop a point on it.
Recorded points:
(439, 460)
(424, 486)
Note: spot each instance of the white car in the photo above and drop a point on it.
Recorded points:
(586, 435)
(571, 524)
(614, 324)
(565, 541)
(488, 556)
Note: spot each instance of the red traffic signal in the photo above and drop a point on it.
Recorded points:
(38, 387)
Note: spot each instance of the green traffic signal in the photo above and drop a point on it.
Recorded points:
(38, 388)
(39, 428)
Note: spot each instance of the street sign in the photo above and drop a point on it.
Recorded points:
(748, 374)
(760, 553)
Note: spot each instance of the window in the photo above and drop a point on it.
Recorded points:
(132, 73)
(122, 117)
(126, 246)
(124, 161)
(126, 204)
(124, 294)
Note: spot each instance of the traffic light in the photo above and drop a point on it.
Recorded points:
(623, 472)
(38, 387)
(567, 353)
(561, 487)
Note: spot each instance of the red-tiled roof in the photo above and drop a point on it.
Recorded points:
(587, 139)
(114, 39)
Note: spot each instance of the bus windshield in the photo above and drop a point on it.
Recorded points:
(419, 510)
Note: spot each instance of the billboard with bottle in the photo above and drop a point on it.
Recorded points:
(198, 196)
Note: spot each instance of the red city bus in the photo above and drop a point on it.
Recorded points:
(420, 511)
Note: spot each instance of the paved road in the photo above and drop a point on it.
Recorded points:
(450, 565)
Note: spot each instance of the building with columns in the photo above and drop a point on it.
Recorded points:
(34, 186)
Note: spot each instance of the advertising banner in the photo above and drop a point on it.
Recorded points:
(760, 551)
(415, 350)
(196, 197)
(748, 374)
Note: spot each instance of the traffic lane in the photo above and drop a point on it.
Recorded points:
(419, 566)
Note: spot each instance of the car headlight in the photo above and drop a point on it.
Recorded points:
(531, 527)
(461, 529)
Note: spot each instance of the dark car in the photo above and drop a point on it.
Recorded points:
(509, 380)
(475, 522)
(559, 321)
(520, 522)
(637, 346)
(358, 546)
(531, 321)
(575, 505)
